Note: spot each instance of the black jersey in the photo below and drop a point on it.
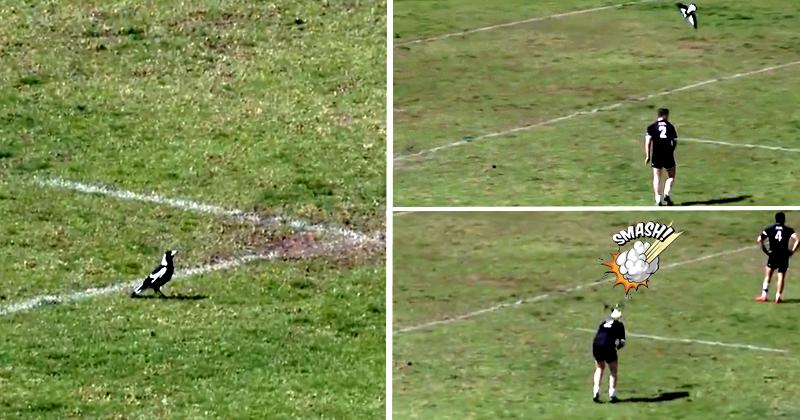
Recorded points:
(609, 332)
(663, 136)
(778, 236)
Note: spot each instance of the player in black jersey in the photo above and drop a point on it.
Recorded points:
(660, 141)
(778, 236)
(610, 337)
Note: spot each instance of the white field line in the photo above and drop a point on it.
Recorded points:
(495, 308)
(38, 301)
(193, 206)
(518, 22)
(595, 110)
(693, 341)
(744, 145)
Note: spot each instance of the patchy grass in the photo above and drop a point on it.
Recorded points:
(529, 361)
(497, 80)
(276, 108)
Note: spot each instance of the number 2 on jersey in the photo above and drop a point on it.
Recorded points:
(662, 128)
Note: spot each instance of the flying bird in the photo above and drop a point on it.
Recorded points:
(689, 13)
(159, 277)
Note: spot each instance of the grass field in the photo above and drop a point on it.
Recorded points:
(499, 93)
(532, 360)
(276, 109)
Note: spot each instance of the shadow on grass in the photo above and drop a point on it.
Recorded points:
(172, 297)
(790, 301)
(728, 200)
(664, 396)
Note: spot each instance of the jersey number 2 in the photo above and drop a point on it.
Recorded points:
(663, 130)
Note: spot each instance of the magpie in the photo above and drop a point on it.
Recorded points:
(689, 13)
(159, 277)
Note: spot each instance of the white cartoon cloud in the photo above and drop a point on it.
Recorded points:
(633, 263)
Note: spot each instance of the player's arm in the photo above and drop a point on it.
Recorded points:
(675, 137)
(620, 342)
(760, 241)
(648, 148)
(796, 242)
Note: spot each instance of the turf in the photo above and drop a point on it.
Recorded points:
(501, 79)
(227, 101)
(274, 108)
(531, 360)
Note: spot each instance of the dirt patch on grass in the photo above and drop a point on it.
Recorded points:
(342, 251)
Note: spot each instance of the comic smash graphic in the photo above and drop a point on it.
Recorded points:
(634, 267)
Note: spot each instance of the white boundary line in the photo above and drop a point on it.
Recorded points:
(744, 145)
(38, 301)
(210, 209)
(693, 341)
(518, 22)
(354, 238)
(495, 308)
(594, 111)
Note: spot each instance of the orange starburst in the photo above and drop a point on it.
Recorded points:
(628, 285)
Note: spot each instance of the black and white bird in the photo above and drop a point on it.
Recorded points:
(159, 277)
(689, 13)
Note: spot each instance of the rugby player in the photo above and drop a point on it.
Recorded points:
(778, 235)
(660, 141)
(610, 337)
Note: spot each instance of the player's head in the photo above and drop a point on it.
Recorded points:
(616, 314)
(780, 218)
(663, 113)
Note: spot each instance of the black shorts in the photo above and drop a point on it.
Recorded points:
(604, 353)
(779, 263)
(663, 161)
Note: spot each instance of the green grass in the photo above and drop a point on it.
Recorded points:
(529, 361)
(501, 79)
(229, 101)
(276, 108)
(294, 340)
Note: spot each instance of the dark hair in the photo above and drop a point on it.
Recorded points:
(663, 112)
(780, 217)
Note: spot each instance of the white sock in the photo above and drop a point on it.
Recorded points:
(598, 375)
(658, 199)
(668, 186)
(612, 386)
(765, 288)
(777, 296)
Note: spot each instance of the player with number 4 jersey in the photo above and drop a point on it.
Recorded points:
(775, 242)
(660, 141)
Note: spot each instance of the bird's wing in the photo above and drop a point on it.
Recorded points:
(158, 272)
(693, 20)
(683, 8)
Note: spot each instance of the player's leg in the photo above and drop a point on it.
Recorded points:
(765, 285)
(612, 381)
(657, 185)
(669, 183)
(781, 282)
(599, 366)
